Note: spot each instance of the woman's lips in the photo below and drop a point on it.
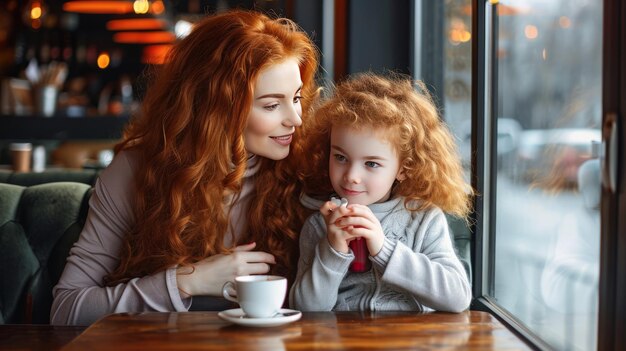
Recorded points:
(283, 140)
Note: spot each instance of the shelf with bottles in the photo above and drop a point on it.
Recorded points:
(95, 58)
(82, 96)
(61, 127)
(90, 71)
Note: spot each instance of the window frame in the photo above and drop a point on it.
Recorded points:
(484, 71)
(612, 307)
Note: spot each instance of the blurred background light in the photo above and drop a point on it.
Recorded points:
(182, 28)
(136, 24)
(155, 37)
(99, 7)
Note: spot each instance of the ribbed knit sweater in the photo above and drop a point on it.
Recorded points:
(416, 270)
(80, 297)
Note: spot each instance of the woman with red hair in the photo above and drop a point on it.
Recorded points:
(203, 185)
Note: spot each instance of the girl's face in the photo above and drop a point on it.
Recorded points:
(363, 165)
(275, 112)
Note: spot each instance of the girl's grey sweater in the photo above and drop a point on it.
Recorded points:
(416, 270)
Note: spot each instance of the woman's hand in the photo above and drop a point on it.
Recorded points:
(361, 222)
(207, 277)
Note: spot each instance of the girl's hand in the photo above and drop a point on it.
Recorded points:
(337, 237)
(361, 222)
(207, 277)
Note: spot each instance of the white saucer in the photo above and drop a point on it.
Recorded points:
(238, 317)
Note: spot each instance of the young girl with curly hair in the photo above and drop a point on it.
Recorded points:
(203, 185)
(379, 143)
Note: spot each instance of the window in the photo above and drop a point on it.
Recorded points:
(454, 91)
(543, 118)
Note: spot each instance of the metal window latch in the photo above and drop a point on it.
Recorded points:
(608, 156)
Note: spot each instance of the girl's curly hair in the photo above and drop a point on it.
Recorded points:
(406, 112)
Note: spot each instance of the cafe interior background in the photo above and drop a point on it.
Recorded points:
(73, 73)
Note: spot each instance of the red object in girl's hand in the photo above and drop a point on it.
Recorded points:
(361, 262)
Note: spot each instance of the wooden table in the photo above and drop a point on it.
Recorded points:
(36, 336)
(319, 330)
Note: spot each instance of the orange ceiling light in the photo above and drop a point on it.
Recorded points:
(103, 60)
(155, 54)
(99, 7)
(144, 37)
(136, 24)
(157, 7)
(141, 6)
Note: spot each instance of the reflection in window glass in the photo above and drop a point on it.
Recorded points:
(548, 176)
(457, 73)
(457, 112)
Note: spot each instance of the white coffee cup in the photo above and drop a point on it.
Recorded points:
(259, 296)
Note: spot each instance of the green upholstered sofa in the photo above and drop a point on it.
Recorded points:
(38, 226)
(87, 176)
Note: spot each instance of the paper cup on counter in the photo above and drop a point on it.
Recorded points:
(21, 156)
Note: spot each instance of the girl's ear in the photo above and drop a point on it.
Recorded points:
(400, 176)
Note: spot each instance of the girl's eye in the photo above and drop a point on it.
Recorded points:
(296, 100)
(372, 164)
(271, 107)
(340, 158)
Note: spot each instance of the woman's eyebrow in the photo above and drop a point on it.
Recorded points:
(273, 95)
(277, 95)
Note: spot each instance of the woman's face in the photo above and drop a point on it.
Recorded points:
(275, 112)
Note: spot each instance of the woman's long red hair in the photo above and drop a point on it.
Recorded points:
(190, 146)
